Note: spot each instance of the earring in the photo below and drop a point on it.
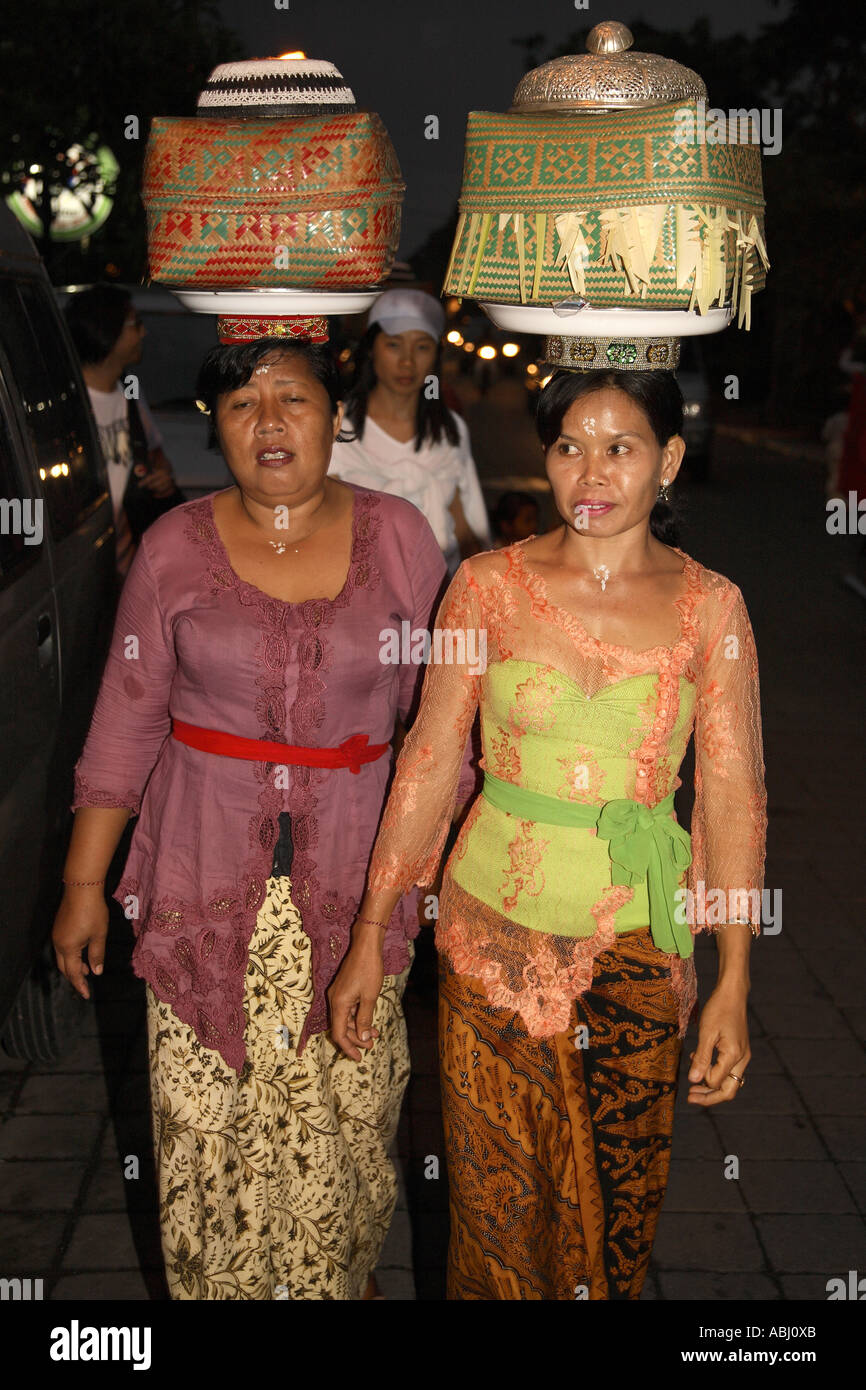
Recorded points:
(663, 490)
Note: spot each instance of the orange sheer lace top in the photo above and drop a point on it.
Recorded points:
(531, 937)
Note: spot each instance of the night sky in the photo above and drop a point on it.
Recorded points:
(407, 59)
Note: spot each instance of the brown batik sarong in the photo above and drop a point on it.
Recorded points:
(558, 1148)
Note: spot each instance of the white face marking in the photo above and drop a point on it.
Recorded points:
(589, 425)
(260, 371)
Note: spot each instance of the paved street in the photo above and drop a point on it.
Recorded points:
(795, 1216)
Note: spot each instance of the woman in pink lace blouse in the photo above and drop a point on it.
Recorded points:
(245, 716)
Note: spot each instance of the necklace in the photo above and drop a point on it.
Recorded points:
(283, 522)
(602, 574)
(281, 547)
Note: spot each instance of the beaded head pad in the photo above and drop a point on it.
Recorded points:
(626, 354)
(246, 329)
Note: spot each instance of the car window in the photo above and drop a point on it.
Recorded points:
(56, 416)
(18, 511)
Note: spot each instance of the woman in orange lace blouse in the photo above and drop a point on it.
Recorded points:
(570, 900)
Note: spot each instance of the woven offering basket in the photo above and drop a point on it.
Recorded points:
(309, 202)
(613, 207)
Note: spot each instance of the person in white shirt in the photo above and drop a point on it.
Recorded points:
(107, 334)
(403, 439)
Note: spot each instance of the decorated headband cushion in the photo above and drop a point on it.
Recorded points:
(246, 328)
(625, 354)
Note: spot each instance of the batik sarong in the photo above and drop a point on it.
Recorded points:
(275, 1183)
(558, 1148)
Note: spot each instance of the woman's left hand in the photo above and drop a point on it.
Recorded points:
(353, 994)
(722, 1027)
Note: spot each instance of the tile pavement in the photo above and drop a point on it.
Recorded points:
(795, 1215)
(70, 1215)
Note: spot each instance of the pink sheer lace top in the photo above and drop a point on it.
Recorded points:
(194, 641)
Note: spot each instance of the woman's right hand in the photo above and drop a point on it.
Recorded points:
(81, 924)
(354, 991)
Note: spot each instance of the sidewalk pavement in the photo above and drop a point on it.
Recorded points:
(70, 1135)
(795, 1216)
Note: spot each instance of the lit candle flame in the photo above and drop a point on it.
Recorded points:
(296, 54)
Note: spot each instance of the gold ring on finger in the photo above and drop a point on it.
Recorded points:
(740, 1079)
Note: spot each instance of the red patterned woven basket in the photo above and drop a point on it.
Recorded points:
(312, 203)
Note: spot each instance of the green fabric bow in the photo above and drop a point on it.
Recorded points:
(644, 843)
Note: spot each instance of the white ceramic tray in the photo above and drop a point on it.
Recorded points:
(607, 323)
(277, 302)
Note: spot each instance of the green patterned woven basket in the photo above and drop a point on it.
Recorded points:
(615, 207)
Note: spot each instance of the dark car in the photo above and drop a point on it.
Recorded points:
(57, 602)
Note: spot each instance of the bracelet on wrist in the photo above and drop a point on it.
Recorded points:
(371, 921)
(738, 922)
(83, 882)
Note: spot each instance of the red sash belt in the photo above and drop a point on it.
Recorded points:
(351, 753)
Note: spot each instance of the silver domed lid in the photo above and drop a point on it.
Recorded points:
(606, 78)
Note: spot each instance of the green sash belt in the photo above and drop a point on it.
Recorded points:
(644, 844)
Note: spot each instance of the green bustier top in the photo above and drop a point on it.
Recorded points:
(566, 817)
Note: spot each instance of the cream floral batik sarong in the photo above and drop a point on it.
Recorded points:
(275, 1182)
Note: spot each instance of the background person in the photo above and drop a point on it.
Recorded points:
(108, 335)
(515, 518)
(402, 440)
